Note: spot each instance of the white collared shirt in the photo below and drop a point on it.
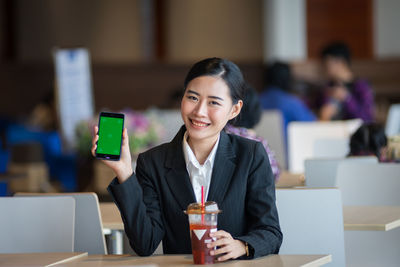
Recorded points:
(200, 175)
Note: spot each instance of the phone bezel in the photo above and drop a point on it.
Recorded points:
(111, 115)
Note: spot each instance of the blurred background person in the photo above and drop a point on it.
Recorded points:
(369, 140)
(345, 96)
(278, 95)
(247, 120)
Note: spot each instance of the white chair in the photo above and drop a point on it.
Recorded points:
(371, 184)
(393, 120)
(321, 172)
(364, 184)
(89, 235)
(331, 147)
(302, 135)
(270, 128)
(311, 221)
(372, 248)
(33, 225)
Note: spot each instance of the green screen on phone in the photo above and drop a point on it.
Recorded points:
(110, 135)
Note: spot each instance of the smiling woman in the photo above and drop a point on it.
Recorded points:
(233, 171)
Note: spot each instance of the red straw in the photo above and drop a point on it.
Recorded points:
(202, 204)
(202, 196)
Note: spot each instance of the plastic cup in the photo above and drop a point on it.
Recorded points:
(202, 222)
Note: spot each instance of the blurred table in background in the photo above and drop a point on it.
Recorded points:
(372, 235)
(287, 179)
(371, 218)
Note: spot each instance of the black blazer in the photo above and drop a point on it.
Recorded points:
(152, 201)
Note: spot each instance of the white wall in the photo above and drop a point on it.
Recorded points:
(284, 30)
(387, 28)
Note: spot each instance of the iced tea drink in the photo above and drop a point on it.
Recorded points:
(202, 222)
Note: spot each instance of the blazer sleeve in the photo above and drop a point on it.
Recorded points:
(139, 205)
(264, 235)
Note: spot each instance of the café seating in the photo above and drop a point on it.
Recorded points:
(32, 225)
(331, 147)
(89, 235)
(312, 222)
(371, 184)
(270, 128)
(302, 135)
(321, 172)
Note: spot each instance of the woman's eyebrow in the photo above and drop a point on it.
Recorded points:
(216, 97)
(193, 92)
(211, 96)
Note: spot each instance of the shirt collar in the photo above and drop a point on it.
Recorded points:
(191, 159)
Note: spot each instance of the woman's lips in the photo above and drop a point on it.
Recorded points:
(199, 123)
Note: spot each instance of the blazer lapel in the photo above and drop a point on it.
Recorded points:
(177, 176)
(223, 169)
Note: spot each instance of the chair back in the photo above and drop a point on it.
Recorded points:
(89, 235)
(331, 147)
(270, 128)
(321, 172)
(393, 120)
(311, 221)
(302, 135)
(33, 225)
(371, 184)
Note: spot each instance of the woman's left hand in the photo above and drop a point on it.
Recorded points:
(229, 247)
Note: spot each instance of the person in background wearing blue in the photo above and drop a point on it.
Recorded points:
(278, 95)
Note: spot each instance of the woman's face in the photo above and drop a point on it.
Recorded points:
(334, 67)
(206, 108)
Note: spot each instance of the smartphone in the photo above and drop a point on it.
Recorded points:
(111, 126)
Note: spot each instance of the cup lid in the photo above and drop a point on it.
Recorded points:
(197, 208)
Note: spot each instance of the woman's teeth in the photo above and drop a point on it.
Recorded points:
(200, 124)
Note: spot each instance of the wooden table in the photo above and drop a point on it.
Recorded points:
(371, 218)
(187, 260)
(40, 259)
(288, 180)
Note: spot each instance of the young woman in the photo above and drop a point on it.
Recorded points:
(234, 171)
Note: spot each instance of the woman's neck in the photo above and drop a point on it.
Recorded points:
(202, 148)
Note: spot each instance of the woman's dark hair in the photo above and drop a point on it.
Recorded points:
(337, 50)
(278, 74)
(222, 68)
(251, 111)
(368, 140)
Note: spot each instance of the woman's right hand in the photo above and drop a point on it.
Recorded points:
(122, 167)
